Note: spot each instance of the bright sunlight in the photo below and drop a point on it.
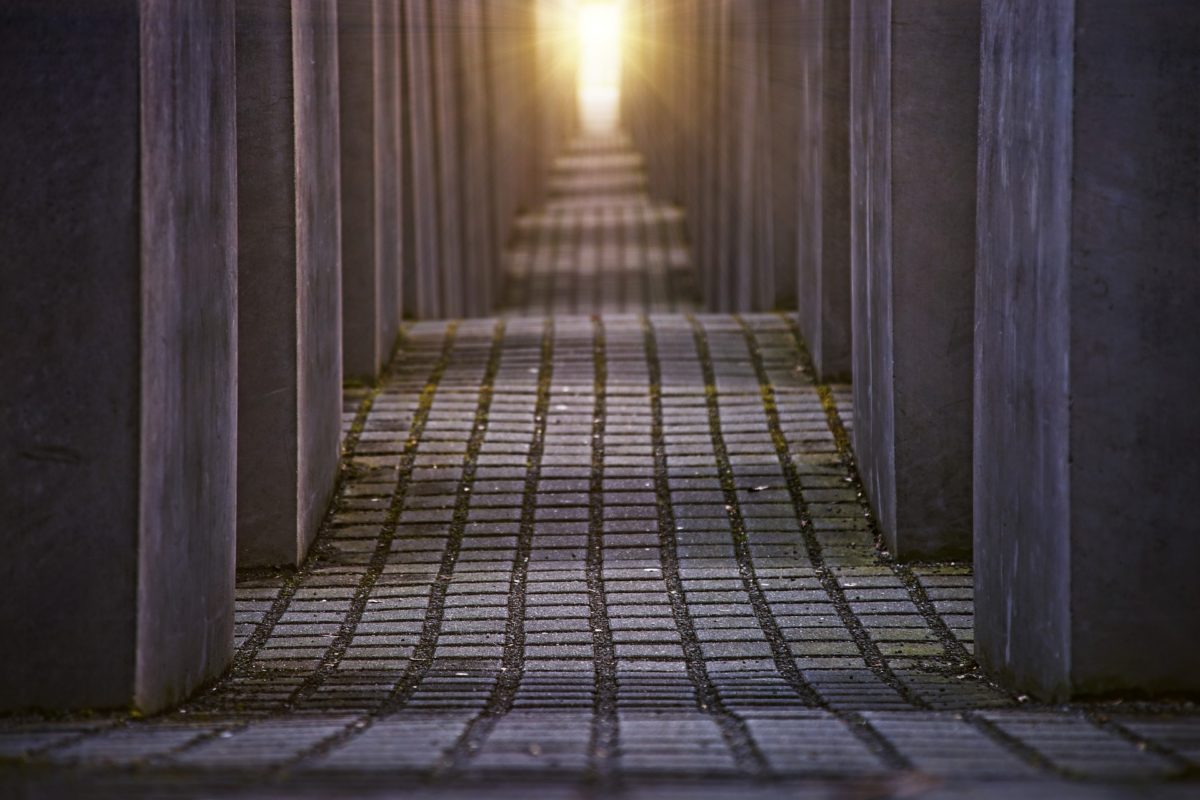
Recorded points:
(599, 65)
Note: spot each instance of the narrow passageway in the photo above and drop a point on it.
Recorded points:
(586, 553)
(600, 244)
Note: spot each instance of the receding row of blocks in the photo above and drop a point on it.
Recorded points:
(985, 211)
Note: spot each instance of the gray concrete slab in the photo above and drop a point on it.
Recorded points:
(372, 222)
(480, 248)
(820, 30)
(914, 95)
(422, 252)
(783, 32)
(393, 215)
(289, 276)
(515, 171)
(1086, 541)
(447, 115)
(118, 316)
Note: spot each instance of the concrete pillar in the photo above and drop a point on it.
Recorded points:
(448, 156)
(289, 275)
(767, 290)
(818, 83)
(698, 133)
(1086, 534)
(118, 317)
(480, 250)
(744, 278)
(368, 77)
(507, 31)
(785, 25)
(703, 217)
(914, 67)
(421, 253)
(723, 255)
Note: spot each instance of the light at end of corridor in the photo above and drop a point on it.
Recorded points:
(599, 67)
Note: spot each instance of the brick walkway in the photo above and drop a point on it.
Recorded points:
(610, 555)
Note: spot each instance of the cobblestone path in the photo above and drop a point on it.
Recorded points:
(607, 555)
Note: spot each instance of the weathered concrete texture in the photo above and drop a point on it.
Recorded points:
(390, 212)
(516, 170)
(820, 56)
(368, 65)
(554, 104)
(475, 165)
(713, 102)
(1086, 425)
(447, 108)
(785, 25)
(914, 86)
(760, 168)
(720, 295)
(118, 317)
(289, 275)
(421, 252)
(508, 24)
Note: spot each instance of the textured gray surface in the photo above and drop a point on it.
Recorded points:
(70, 259)
(914, 75)
(289, 276)
(448, 158)
(782, 27)
(1090, 193)
(392, 216)
(422, 296)
(189, 380)
(480, 246)
(118, 323)
(820, 32)
(368, 79)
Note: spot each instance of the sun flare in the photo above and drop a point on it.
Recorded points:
(599, 85)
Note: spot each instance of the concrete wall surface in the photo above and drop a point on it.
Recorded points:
(820, 30)
(785, 23)
(369, 42)
(715, 98)
(360, 63)
(480, 248)
(448, 155)
(118, 316)
(1085, 403)
(421, 275)
(289, 276)
(390, 211)
(914, 99)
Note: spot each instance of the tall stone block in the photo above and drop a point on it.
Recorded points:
(770, 286)
(785, 24)
(1086, 426)
(480, 249)
(914, 68)
(289, 275)
(722, 246)
(821, 91)
(368, 77)
(421, 251)
(118, 317)
(708, 135)
(448, 156)
(507, 26)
